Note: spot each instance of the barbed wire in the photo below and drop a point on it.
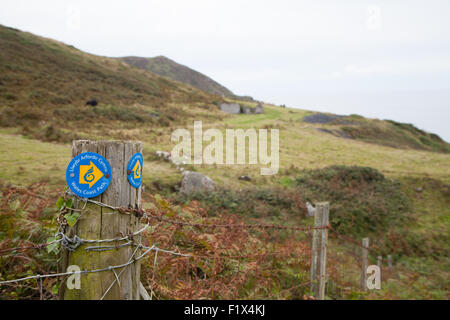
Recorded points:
(38, 246)
(133, 260)
(117, 276)
(109, 268)
(230, 226)
(142, 213)
(73, 243)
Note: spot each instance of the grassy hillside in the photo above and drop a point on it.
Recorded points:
(44, 85)
(383, 132)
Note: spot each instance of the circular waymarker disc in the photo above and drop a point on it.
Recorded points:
(134, 170)
(88, 175)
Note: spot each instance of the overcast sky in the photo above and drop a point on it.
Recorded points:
(388, 59)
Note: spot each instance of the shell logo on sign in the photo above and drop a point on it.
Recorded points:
(134, 170)
(137, 170)
(90, 174)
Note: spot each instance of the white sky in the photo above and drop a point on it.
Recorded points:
(379, 58)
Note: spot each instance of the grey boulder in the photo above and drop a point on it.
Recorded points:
(196, 182)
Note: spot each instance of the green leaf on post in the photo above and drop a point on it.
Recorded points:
(72, 218)
(55, 289)
(52, 247)
(59, 203)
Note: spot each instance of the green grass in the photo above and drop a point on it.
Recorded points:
(25, 161)
(397, 135)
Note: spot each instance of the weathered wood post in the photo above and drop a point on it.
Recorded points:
(98, 222)
(325, 208)
(315, 252)
(318, 276)
(364, 256)
(389, 262)
(380, 264)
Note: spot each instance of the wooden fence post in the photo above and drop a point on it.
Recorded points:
(318, 276)
(315, 252)
(380, 265)
(364, 256)
(98, 222)
(325, 208)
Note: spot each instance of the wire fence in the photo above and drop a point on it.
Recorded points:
(344, 263)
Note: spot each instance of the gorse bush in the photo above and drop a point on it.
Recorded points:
(362, 200)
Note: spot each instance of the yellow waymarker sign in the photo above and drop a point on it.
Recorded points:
(89, 174)
(137, 170)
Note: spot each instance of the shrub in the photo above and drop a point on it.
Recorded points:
(361, 199)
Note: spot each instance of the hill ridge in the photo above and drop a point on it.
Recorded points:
(173, 70)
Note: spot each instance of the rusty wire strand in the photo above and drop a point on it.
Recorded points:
(140, 212)
(109, 268)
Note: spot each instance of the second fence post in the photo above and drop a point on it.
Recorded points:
(318, 276)
(389, 262)
(323, 250)
(380, 264)
(96, 222)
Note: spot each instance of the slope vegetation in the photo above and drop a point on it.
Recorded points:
(382, 132)
(44, 84)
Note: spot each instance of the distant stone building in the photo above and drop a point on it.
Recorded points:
(232, 108)
(235, 108)
(259, 108)
(246, 110)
